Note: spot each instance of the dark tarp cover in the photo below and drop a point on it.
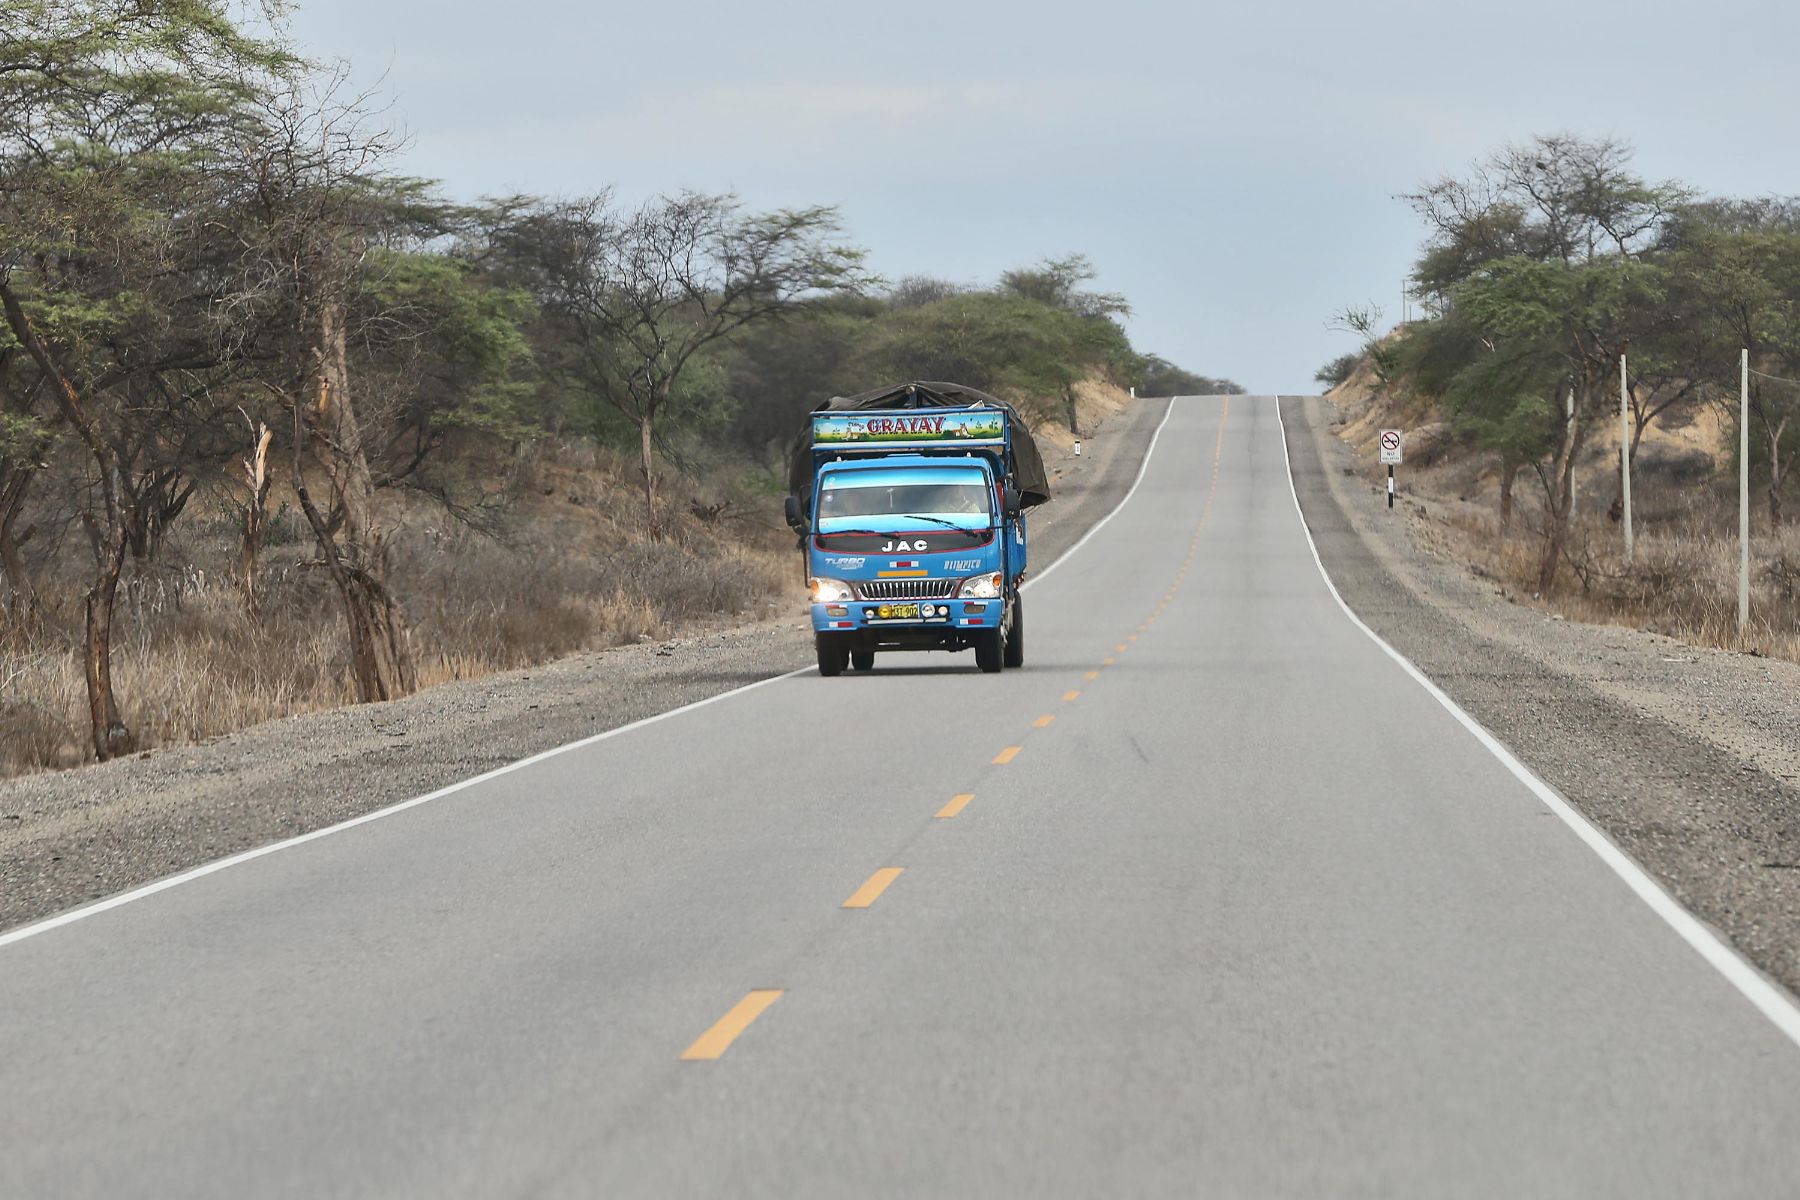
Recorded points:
(1027, 465)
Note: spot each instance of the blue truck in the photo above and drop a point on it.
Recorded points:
(910, 502)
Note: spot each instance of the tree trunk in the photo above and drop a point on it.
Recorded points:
(21, 597)
(1560, 501)
(649, 469)
(111, 737)
(1509, 471)
(355, 552)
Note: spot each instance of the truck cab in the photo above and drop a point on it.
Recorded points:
(915, 538)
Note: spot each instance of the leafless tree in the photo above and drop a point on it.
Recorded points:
(316, 204)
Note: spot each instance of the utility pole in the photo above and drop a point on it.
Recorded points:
(1743, 490)
(1625, 450)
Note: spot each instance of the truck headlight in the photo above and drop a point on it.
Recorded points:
(982, 587)
(828, 591)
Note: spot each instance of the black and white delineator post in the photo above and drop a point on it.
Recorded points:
(1390, 458)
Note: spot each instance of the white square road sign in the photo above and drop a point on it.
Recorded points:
(1390, 447)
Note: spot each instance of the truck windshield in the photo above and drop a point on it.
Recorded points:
(957, 497)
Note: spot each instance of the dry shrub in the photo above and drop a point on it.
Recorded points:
(1783, 575)
(564, 569)
(1681, 580)
(39, 684)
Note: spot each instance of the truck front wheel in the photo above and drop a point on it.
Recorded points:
(990, 650)
(1015, 635)
(862, 660)
(833, 657)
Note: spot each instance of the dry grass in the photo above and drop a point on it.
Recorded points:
(1681, 580)
(563, 569)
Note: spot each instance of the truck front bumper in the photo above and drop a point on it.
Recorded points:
(900, 617)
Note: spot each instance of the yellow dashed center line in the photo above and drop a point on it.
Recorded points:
(956, 805)
(1121, 647)
(715, 1041)
(867, 894)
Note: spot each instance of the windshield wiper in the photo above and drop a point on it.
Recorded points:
(938, 521)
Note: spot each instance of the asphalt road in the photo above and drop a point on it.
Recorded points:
(1213, 898)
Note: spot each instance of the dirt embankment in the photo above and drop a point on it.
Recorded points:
(1685, 755)
(77, 835)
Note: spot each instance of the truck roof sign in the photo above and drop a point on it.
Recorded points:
(873, 429)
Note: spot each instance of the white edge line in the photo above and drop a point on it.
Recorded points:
(1769, 998)
(1123, 500)
(205, 869)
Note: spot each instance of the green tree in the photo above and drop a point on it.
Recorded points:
(1056, 283)
(1338, 370)
(1737, 272)
(639, 295)
(112, 115)
(1160, 377)
(1540, 253)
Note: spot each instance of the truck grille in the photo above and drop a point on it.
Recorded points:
(908, 589)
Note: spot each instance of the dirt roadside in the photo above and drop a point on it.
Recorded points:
(1689, 758)
(78, 835)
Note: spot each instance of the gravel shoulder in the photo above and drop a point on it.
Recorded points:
(1688, 757)
(80, 835)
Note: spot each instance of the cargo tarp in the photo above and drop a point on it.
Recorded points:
(1027, 465)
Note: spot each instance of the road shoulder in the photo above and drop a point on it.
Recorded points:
(1674, 751)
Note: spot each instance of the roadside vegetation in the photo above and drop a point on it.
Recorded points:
(1543, 266)
(282, 428)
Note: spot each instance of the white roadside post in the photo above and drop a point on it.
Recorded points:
(1569, 432)
(1743, 490)
(1625, 451)
(1390, 458)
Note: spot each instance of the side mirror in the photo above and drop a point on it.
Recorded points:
(1009, 499)
(796, 519)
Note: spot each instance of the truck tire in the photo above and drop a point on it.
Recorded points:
(862, 660)
(1015, 637)
(833, 658)
(990, 650)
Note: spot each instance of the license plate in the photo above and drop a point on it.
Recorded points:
(898, 612)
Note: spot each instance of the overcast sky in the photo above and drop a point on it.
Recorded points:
(1230, 169)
